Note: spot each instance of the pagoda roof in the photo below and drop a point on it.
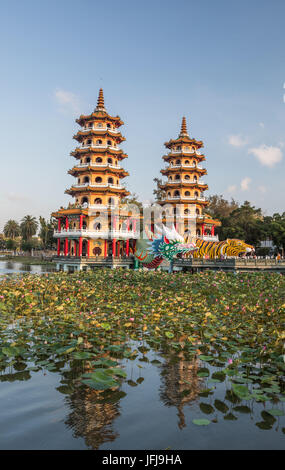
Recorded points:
(100, 113)
(78, 152)
(183, 153)
(170, 169)
(184, 138)
(98, 133)
(107, 169)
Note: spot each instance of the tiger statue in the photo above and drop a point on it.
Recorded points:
(229, 247)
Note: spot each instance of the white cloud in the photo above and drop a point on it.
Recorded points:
(245, 183)
(261, 124)
(68, 101)
(232, 188)
(237, 141)
(267, 155)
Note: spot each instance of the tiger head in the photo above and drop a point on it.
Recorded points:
(235, 247)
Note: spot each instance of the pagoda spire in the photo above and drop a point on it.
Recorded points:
(183, 128)
(100, 102)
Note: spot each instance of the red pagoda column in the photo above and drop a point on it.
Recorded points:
(213, 230)
(203, 230)
(80, 247)
(114, 247)
(58, 240)
(66, 239)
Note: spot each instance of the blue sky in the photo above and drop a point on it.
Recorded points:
(221, 64)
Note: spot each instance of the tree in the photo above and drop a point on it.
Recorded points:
(133, 198)
(11, 244)
(220, 207)
(29, 227)
(12, 229)
(158, 192)
(46, 232)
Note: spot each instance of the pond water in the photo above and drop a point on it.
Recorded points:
(12, 267)
(153, 409)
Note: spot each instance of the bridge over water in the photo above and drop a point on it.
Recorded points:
(71, 263)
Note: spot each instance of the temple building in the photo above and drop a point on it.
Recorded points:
(91, 227)
(183, 191)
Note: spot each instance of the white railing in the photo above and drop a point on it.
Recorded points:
(209, 238)
(184, 165)
(99, 129)
(105, 165)
(73, 233)
(188, 198)
(99, 147)
(98, 185)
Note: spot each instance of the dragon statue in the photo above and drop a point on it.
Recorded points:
(165, 244)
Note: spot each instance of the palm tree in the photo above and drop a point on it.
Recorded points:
(12, 229)
(29, 227)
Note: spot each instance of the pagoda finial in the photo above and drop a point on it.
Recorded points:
(183, 127)
(100, 102)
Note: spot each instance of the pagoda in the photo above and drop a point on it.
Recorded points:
(184, 190)
(90, 226)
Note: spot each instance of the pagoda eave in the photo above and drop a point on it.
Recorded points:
(182, 154)
(184, 140)
(99, 115)
(69, 211)
(116, 171)
(181, 185)
(77, 153)
(166, 171)
(83, 134)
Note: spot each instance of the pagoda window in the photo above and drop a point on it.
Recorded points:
(98, 142)
(89, 142)
(98, 160)
(178, 148)
(98, 201)
(84, 200)
(187, 177)
(111, 200)
(177, 177)
(78, 180)
(195, 179)
(84, 225)
(110, 180)
(87, 160)
(168, 194)
(108, 125)
(86, 179)
(187, 193)
(110, 160)
(194, 163)
(90, 125)
(176, 193)
(170, 178)
(109, 142)
(99, 124)
(197, 211)
(186, 162)
(178, 162)
(98, 179)
(198, 233)
(186, 211)
(196, 194)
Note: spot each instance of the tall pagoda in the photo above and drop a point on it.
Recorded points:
(184, 189)
(91, 226)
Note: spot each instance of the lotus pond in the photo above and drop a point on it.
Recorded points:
(116, 359)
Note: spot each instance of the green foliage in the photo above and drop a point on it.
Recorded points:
(29, 227)
(12, 229)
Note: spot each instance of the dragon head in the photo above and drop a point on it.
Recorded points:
(168, 243)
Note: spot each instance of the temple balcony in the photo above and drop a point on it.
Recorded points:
(183, 165)
(209, 238)
(98, 185)
(99, 165)
(187, 198)
(99, 129)
(93, 146)
(87, 233)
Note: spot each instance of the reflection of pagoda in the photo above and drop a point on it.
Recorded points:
(184, 190)
(93, 226)
(176, 390)
(91, 420)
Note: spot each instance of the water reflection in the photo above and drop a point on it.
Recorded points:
(13, 267)
(180, 384)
